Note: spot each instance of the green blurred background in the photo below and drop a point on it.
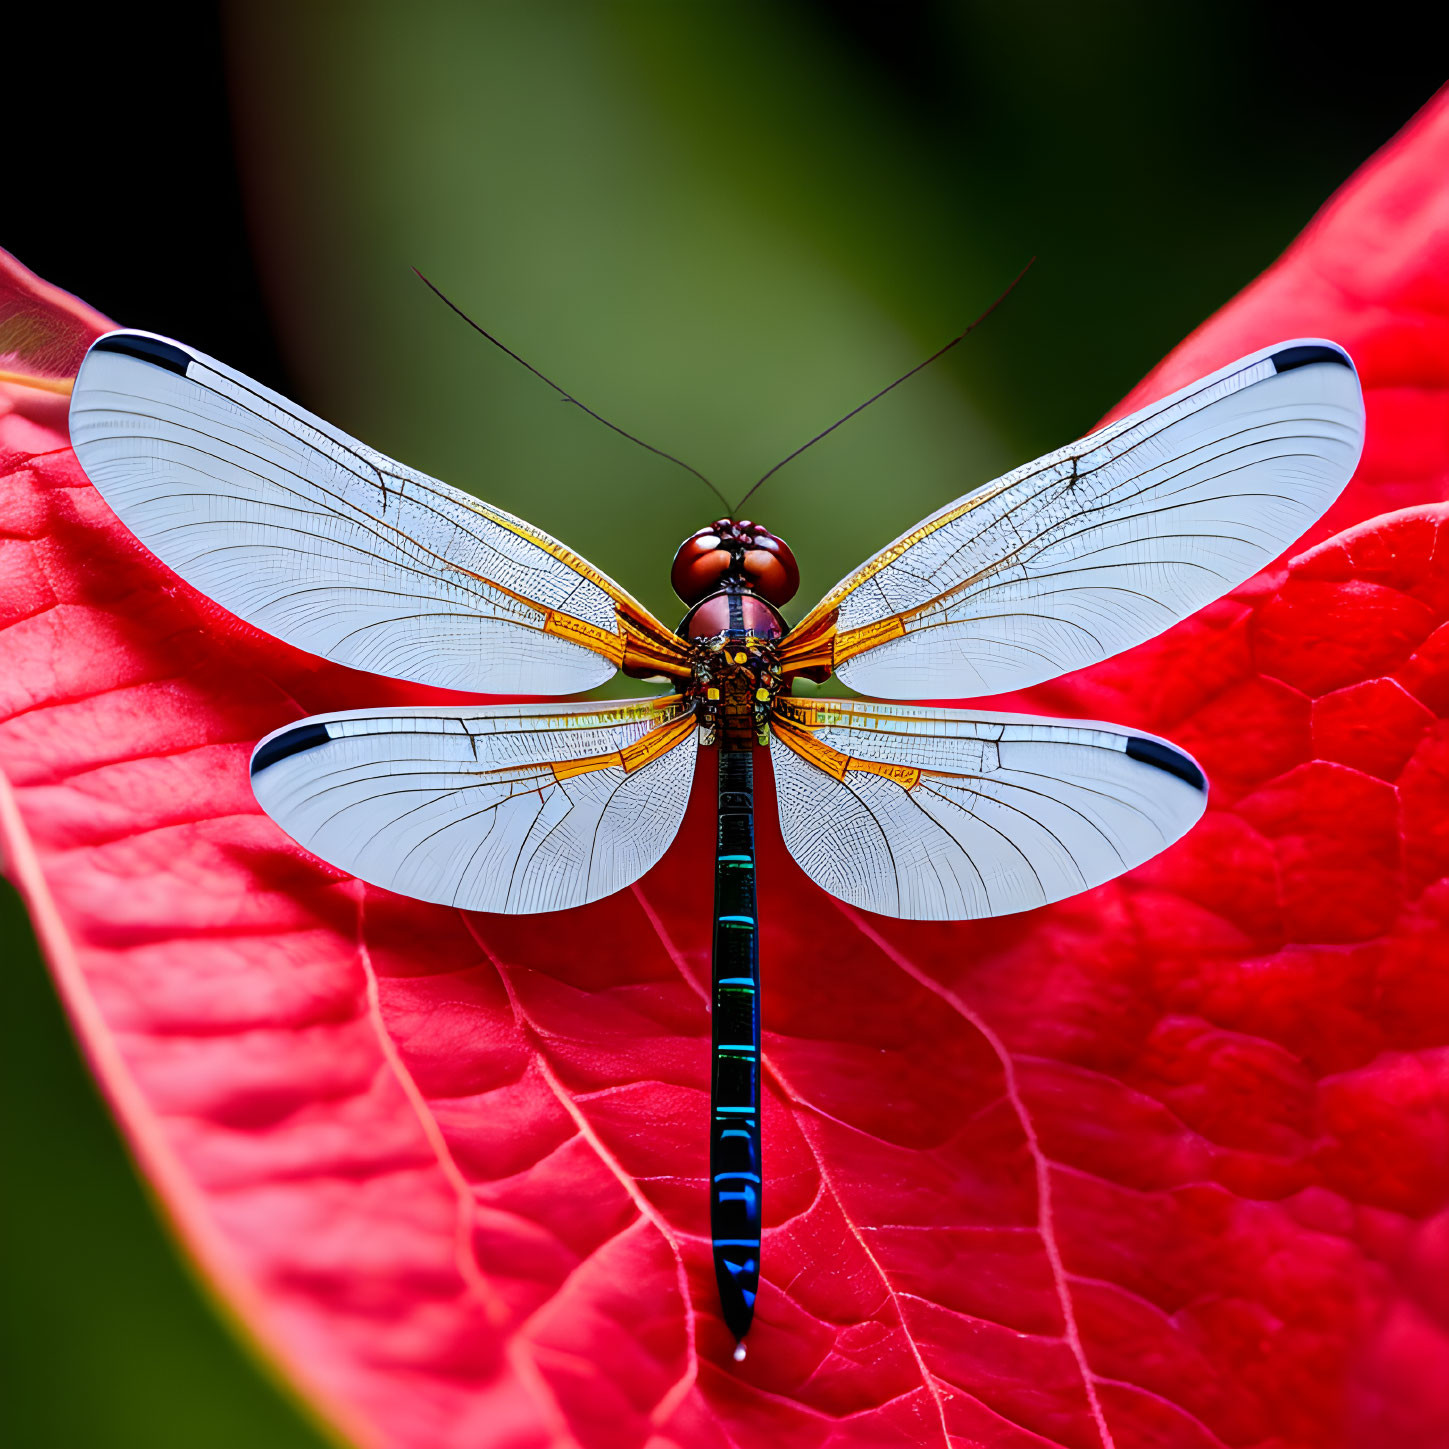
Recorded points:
(722, 225)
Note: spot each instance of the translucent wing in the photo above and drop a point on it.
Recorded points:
(335, 548)
(1102, 544)
(516, 808)
(941, 815)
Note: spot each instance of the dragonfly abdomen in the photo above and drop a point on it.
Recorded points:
(736, 1176)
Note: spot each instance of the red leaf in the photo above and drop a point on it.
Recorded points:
(1162, 1165)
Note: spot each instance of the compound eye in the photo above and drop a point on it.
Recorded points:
(771, 570)
(698, 567)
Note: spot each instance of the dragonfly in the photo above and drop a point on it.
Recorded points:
(918, 811)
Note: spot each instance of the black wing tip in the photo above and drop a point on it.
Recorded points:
(1287, 358)
(1168, 759)
(145, 349)
(290, 742)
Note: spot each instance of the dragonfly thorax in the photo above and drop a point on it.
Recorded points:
(736, 679)
(733, 610)
(734, 573)
(734, 652)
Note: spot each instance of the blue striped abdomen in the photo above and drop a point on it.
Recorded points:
(734, 1155)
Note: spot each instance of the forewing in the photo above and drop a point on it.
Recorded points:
(943, 814)
(1102, 544)
(324, 543)
(515, 808)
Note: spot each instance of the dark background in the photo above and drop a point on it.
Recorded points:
(218, 177)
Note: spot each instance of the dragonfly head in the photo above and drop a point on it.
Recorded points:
(735, 551)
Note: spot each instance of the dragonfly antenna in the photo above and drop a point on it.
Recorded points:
(567, 396)
(876, 397)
